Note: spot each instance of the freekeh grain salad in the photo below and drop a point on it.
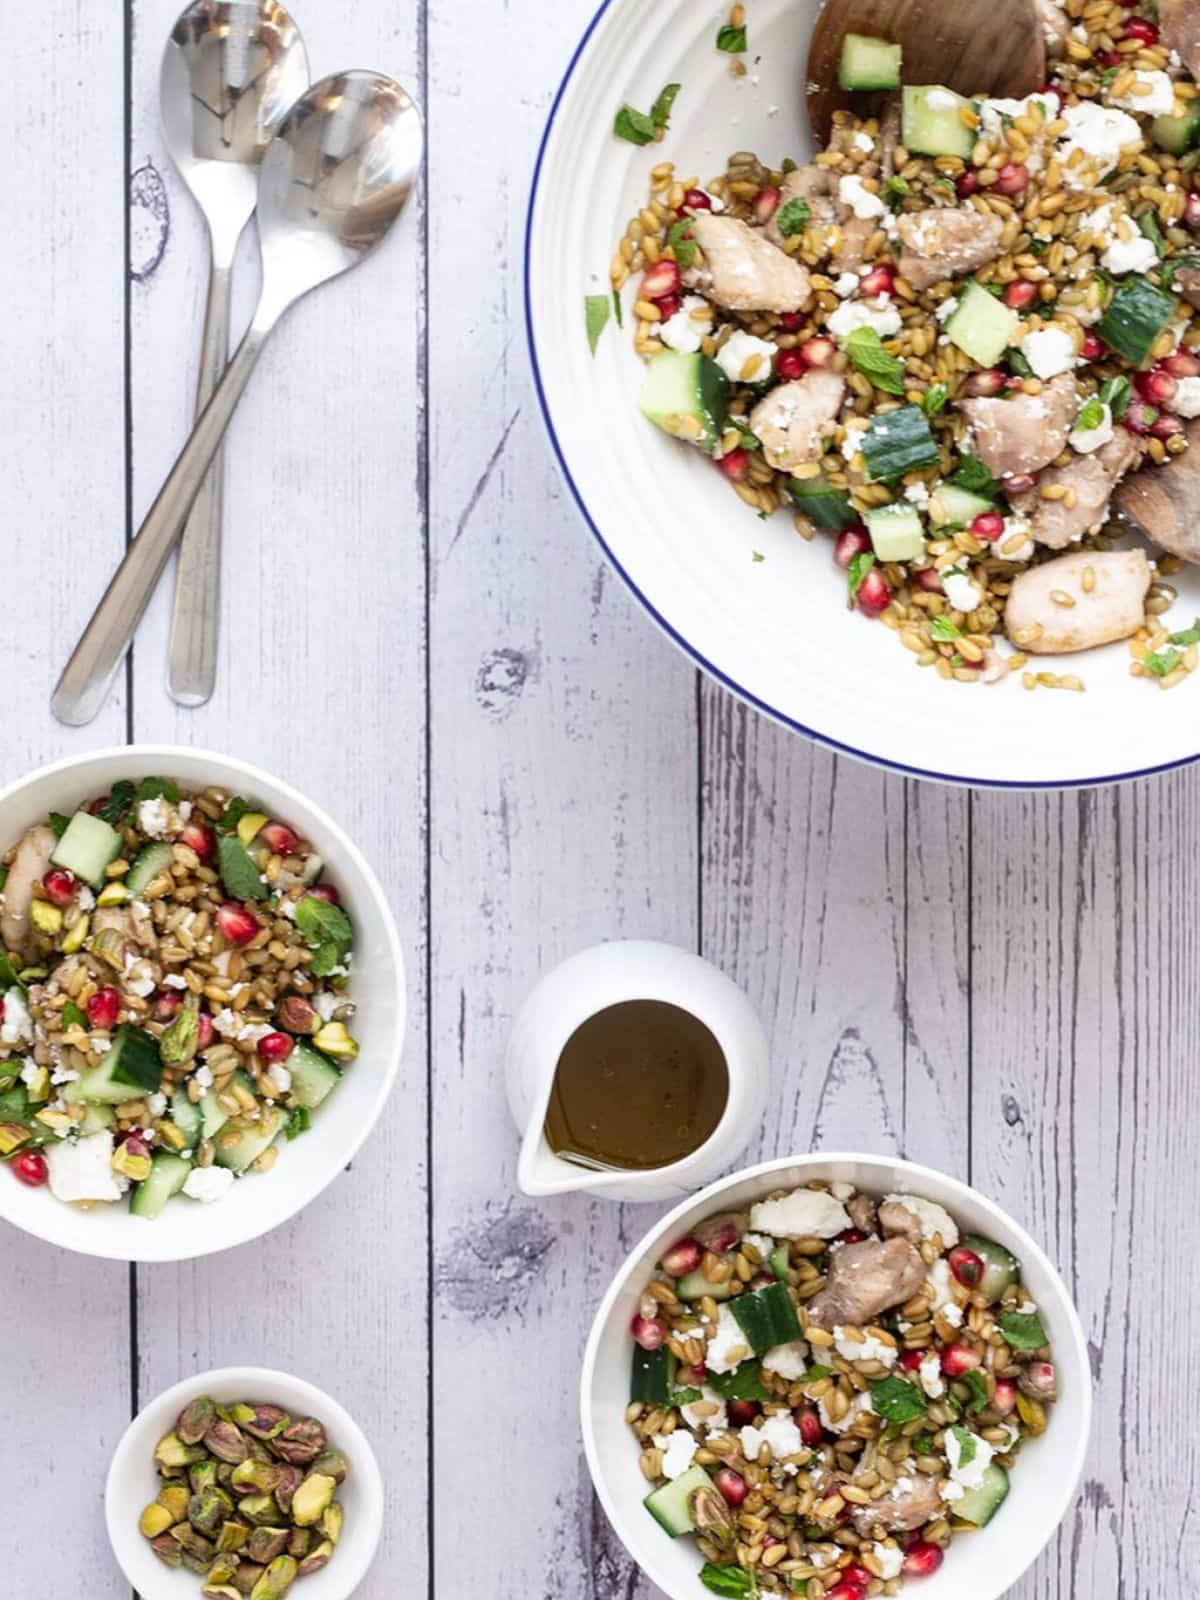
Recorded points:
(174, 978)
(827, 1389)
(957, 342)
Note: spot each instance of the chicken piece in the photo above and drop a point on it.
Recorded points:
(1112, 608)
(912, 1501)
(742, 270)
(1025, 432)
(1056, 25)
(1163, 503)
(794, 420)
(862, 1213)
(866, 1279)
(1187, 283)
(1179, 21)
(815, 186)
(941, 243)
(850, 252)
(29, 865)
(1056, 524)
(889, 135)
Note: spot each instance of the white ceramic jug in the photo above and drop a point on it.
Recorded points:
(607, 975)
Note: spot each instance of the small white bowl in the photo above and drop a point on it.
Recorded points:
(984, 1565)
(133, 1481)
(258, 1204)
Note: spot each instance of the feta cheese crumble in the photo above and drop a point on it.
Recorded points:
(790, 1361)
(17, 1027)
(879, 314)
(712, 1421)
(861, 200)
(154, 817)
(728, 1347)
(1049, 351)
(779, 1432)
(207, 1184)
(969, 1475)
(1156, 100)
(803, 1214)
(678, 1450)
(1100, 134)
(1187, 397)
(932, 1217)
(866, 1349)
(739, 349)
(930, 1374)
(890, 1560)
(1087, 440)
(1129, 255)
(683, 331)
(82, 1169)
(962, 593)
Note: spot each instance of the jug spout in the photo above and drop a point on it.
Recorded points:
(540, 1172)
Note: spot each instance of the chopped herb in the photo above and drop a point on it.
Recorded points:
(743, 1383)
(299, 1122)
(684, 1397)
(860, 565)
(787, 165)
(968, 1444)
(732, 40)
(234, 812)
(14, 1104)
(617, 311)
(596, 311)
(1092, 416)
(1107, 76)
(935, 399)
(922, 1444)
(327, 929)
(158, 789)
(757, 555)
(1149, 228)
(1018, 364)
(994, 289)
(793, 217)
(118, 804)
(635, 126)
(1117, 395)
(682, 244)
(10, 977)
(1023, 1330)
(816, 1372)
(727, 1580)
(897, 1400)
(1160, 663)
(660, 111)
(1188, 635)
(977, 1384)
(59, 824)
(749, 441)
(972, 475)
(943, 630)
(868, 356)
(895, 189)
(1039, 246)
(72, 1016)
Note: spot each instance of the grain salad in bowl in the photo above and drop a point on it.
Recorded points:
(960, 343)
(171, 964)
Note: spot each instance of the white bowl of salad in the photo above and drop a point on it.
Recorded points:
(875, 1384)
(202, 1002)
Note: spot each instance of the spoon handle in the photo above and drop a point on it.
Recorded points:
(87, 676)
(195, 615)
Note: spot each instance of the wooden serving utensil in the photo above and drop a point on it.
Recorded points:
(976, 47)
(1163, 503)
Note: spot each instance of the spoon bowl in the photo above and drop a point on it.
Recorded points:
(976, 47)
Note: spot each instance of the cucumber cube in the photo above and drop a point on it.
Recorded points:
(87, 847)
(868, 63)
(896, 533)
(685, 396)
(982, 326)
(932, 121)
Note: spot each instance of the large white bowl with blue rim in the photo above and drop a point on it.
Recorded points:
(775, 631)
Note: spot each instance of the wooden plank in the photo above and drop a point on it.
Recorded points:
(564, 811)
(322, 680)
(62, 422)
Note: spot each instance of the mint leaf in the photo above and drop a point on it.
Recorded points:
(1018, 364)
(634, 126)
(816, 1372)
(728, 1580)
(299, 1122)
(660, 111)
(1023, 1330)
(322, 922)
(59, 824)
(158, 789)
(234, 812)
(10, 978)
(935, 399)
(732, 40)
(977, 1384)
(793, 217)
(743, 1383)
(683, 246)
(867, 355)
(968, 1445)
(239, 870)
(118, 804)
(1188, 635)
(596, 312)
(859, 566)
(1149, 229)
(972, 475)
(896, 1400)
(72, 1016)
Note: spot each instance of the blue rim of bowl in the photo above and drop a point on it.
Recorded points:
(713, 671)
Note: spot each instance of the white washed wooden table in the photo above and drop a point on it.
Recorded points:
(418, 631)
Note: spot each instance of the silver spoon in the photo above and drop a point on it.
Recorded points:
(230, 71)
(336, 176)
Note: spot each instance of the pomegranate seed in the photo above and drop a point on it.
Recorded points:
(986, 383)
(274, 1047)
(200, 838)
(849, 543)
(966, 1266)
(1141, 28)
(683, 1257)
(957, 1359)
(922, 1560)
(166, 1005)
(735, 464)
(873, 594)
(809, 1424)
(695, 200)
(1054, 89)
(205, 1032)
(967, 184)
(858, 1576)
(661, 279)
(880, 280)
(1019, 483)
(668, 306)
(731, 1484)
(648, 1332)
(1191, 210)
(742, 1412)
(279, 839)
(60, 886)
(325, 891)
(1111, 58)
(236, 923)
(697, 1374)
(844, 1591)
(790, 364)
(1005, 1397)
(851, 1236)
(987, 525)
(818, 352)
(1019, 296)
(103, 1009)
(1011, 179)
(1167, 427)
(1183, 365)
(912, 1359)
(30, 1167)
(1, 1008)
(1156, 387)
(718, 1234)
(1140, 419)
(789, 321)
(1092, 348)
(766, 204)
(930, 579)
